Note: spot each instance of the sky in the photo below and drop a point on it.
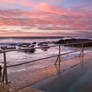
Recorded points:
(46, 18)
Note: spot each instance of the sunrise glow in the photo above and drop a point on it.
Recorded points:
(48, 17)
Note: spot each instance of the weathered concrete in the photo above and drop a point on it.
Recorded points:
(27, 89)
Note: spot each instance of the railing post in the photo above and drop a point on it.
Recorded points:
(58, 57)
(4, 77)
(82, 49)
(59, 53)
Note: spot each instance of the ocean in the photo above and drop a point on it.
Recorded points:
(18, 57)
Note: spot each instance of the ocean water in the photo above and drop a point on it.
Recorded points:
(17, 57)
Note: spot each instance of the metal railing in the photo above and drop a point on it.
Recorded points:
(5, 78)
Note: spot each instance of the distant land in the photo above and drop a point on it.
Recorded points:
(39, 37)
(35, 37)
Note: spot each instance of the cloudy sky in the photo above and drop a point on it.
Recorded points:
(46, 18)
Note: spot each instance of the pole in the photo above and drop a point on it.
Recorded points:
(58, 57)
(82, 49)
(4, 78)
(59, 53)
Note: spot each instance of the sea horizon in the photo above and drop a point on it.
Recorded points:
(41, 37)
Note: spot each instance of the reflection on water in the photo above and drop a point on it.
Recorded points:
(58, 65)
(82, 61)
(58, 68)
(76, 79)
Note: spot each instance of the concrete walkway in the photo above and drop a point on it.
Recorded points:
(23, 79)
(27, 89)
(6, 88)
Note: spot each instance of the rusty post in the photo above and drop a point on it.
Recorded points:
(82, 49)
(59, 53)
(5, 77)
(58, 57)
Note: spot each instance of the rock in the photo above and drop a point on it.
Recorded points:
(59, 42)
(5, 88)
(41, 43)
(77, 41)
(24, 44)
(34, 43)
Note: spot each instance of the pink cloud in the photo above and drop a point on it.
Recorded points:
(44, 14)
(45, 7)
(26, 3)
(8, 1)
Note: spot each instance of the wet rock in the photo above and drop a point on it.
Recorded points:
(7, 47)
(78, 42)
(24, 44)
(42, 43)
(27, 49)
(34, 43)
(44, 47)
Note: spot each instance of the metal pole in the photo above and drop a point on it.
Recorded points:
(59, 53)
(5, 69)
(57, 60)
(58, 57)
(82, 49)
(3, 73)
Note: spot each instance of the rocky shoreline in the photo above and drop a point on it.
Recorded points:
(45, 44)
(75, 42)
